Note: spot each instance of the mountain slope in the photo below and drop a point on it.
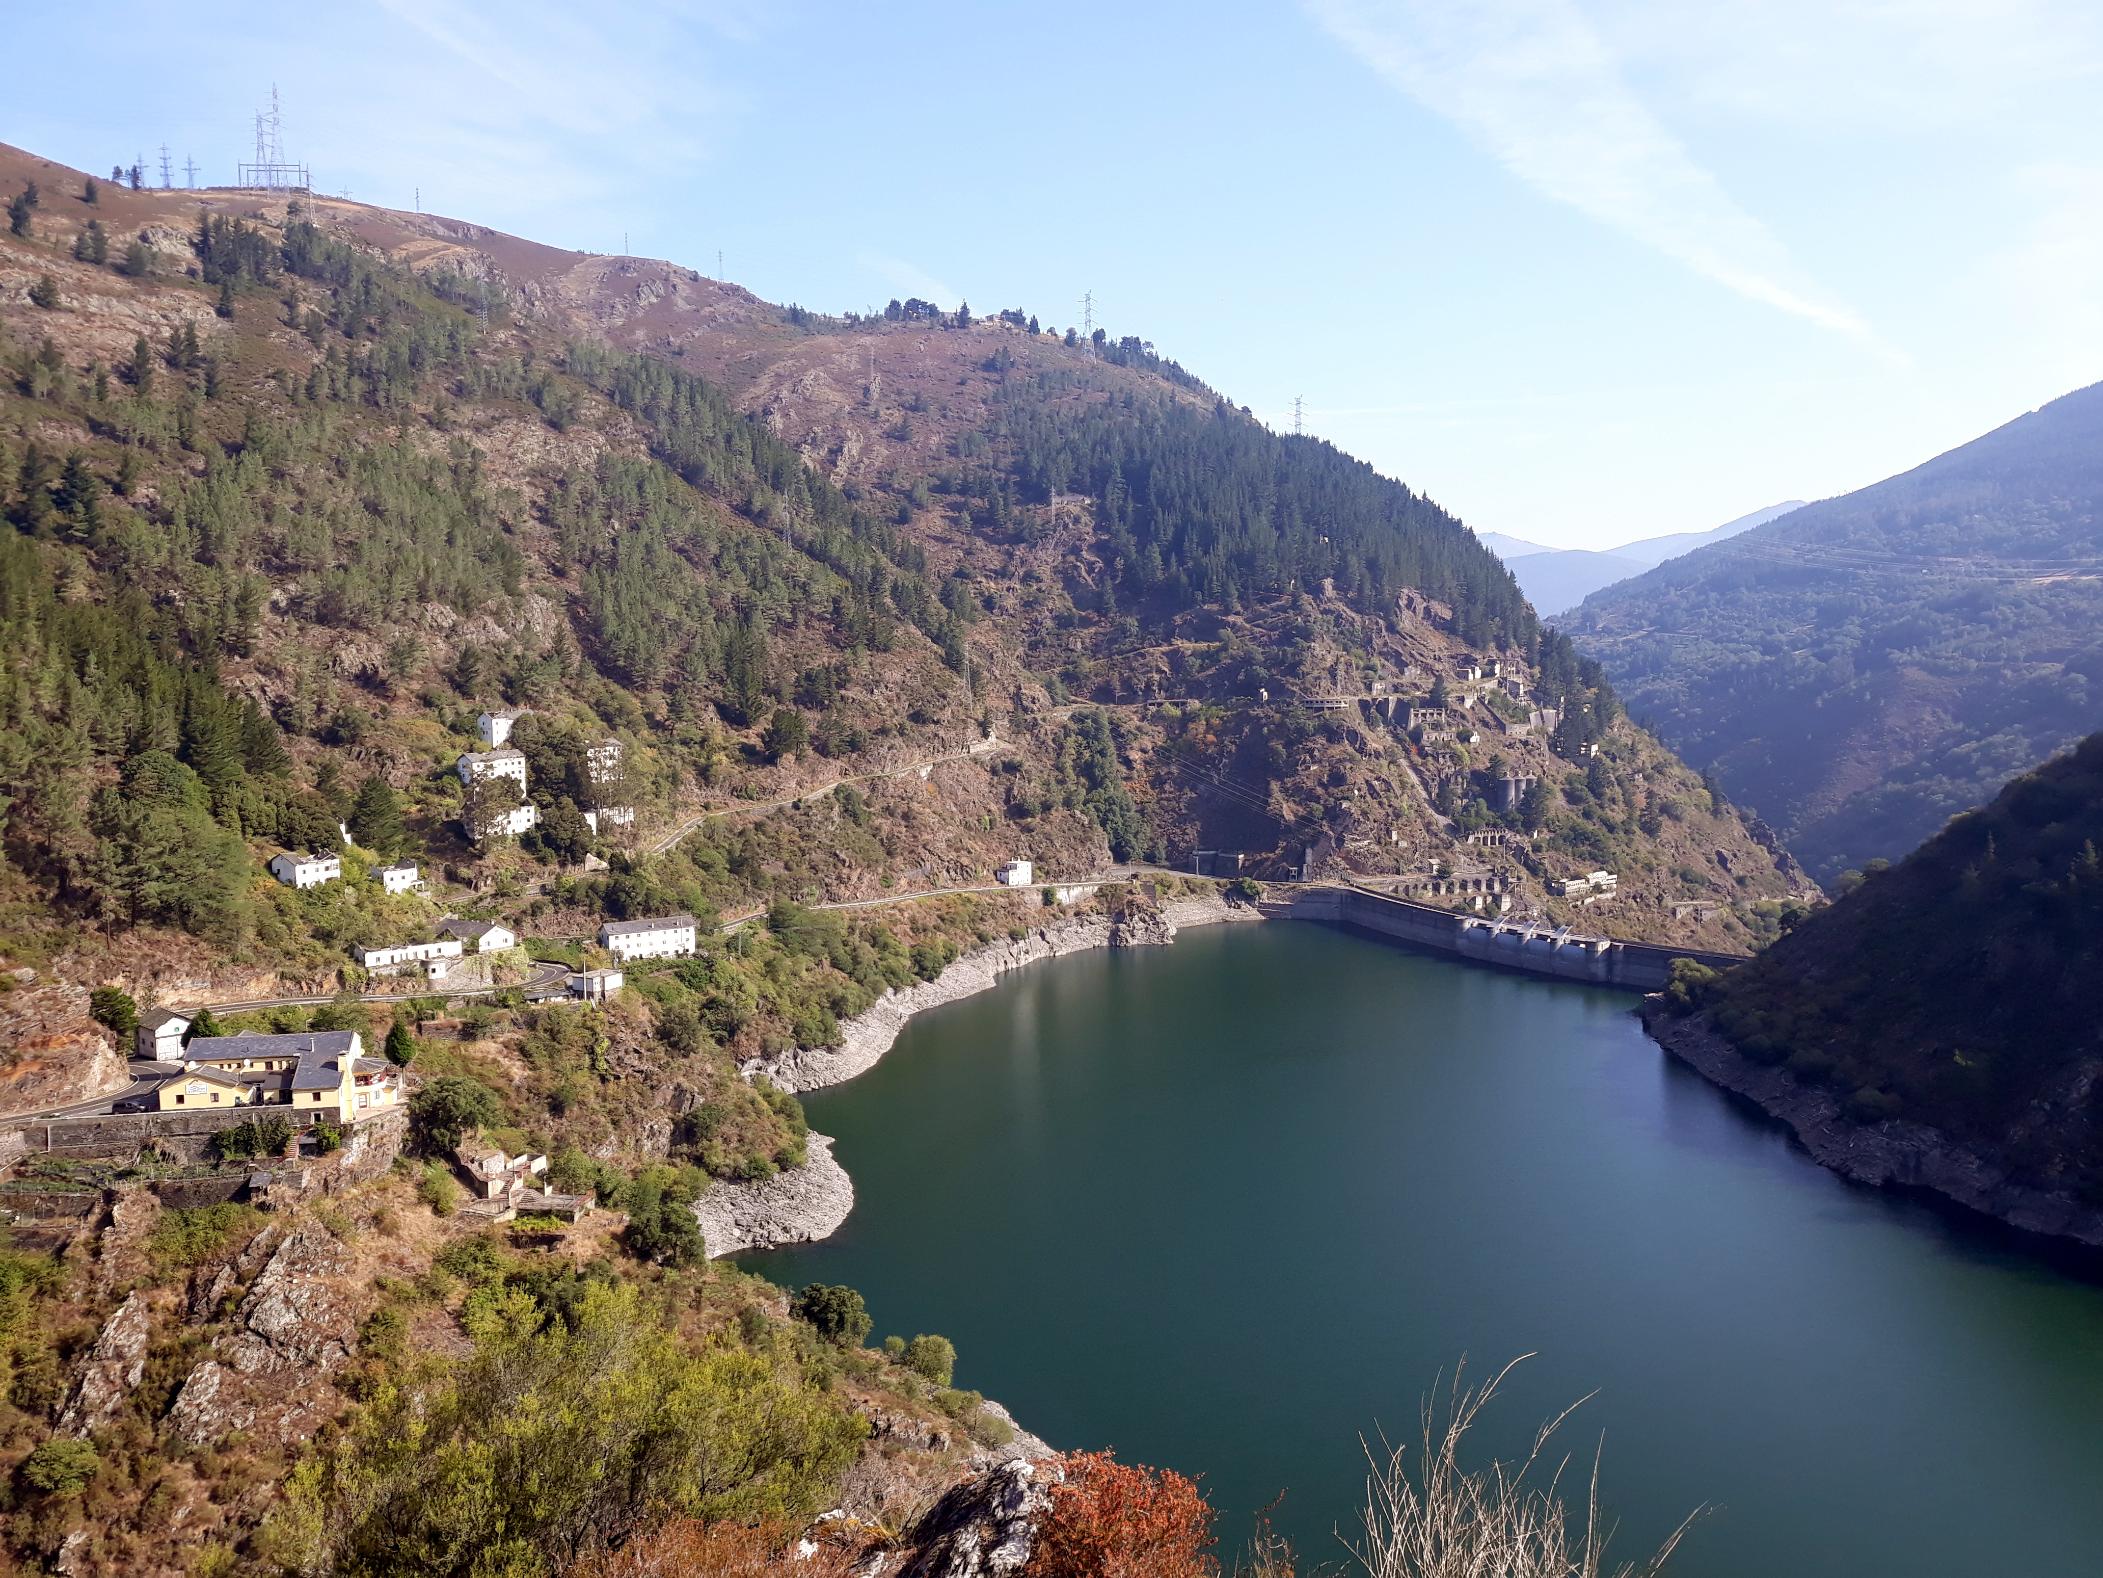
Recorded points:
(1956, 989)
(1862, 668)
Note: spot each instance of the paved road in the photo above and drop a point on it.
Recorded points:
(1114, 874)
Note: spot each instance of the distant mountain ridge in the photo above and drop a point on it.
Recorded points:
(1555, 579)
(1862, 668)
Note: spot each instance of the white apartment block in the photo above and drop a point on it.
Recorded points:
(661, 937)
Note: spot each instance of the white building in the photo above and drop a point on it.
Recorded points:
(660, 937)
(480, 936)
(159, 1036)
(1015, 874)
(603, 760)
(401, 877)
(305, 871)
(494, 728)
(506, 761)
(595, 986)
(392, 960)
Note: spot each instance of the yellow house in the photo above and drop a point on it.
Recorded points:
(321, 1071)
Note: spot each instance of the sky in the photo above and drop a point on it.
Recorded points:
(1583, 271)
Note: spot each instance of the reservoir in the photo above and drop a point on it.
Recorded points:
(1231, 1205)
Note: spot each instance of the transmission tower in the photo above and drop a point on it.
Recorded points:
(1299, 428)
(189, 171)
(167, 175)
(271, 170)
(1088, 320)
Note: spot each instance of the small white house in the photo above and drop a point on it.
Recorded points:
(479, 936)
(595, 986)
(401, 877)
(659, 937)
(494, 728)
(305, 871)
(603, 760)
(1015, 874)
(159, 1036)
(393, 960)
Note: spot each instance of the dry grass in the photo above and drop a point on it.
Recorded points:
(1436, 1518)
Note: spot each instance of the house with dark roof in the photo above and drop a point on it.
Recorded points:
(319, 1071)
(159, 1035)
(480, 936)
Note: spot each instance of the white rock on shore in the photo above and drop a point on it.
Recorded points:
(795, 1207)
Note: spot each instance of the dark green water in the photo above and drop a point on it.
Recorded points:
(1227, 1205)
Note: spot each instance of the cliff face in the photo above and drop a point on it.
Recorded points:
(1891, 1152)
(51, 1052)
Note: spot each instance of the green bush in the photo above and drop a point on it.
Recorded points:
(61, 1466)
(836, 1313)
(183, 1239)
(932, 1359)
(438, 1188)
(112, 1006)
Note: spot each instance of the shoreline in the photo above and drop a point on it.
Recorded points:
(1893, 1154)
(810, 1203)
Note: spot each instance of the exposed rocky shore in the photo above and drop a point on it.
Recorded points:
(810, 1203)
(1893, 1153)
(794, 1207)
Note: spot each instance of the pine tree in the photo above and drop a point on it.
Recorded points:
(44, 293)
(18, 215)
(400, 1046)
(91, 191)
(225, 308)
(376, 817)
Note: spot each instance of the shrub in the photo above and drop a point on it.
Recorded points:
(183, 1239)
(62, 1466)
(1113, 1520)
(661, 1223)
(448, 1107)
(836, 1313)
(1689, 985)
(932, 1359)
(113, 1007)
(439, 1189)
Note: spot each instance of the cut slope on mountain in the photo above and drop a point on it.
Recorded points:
(1863, 668)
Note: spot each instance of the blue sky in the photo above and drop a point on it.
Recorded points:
(1582, 270)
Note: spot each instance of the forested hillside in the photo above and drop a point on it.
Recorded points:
(1957, 988)
(1864, 668)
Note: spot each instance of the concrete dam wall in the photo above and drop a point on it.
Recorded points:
(1564, 956)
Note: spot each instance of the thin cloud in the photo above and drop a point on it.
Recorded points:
(1533, 83)
(911, 278)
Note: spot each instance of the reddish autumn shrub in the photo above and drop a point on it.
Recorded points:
(686, 1548)
(1117, 1520)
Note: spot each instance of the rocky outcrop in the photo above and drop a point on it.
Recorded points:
(1893, 1153)
(986, 1525)
(292, 1330)
(114, 1367)
(795, 1207)
(52, 1052)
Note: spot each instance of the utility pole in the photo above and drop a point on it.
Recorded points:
(167, 175)
(419, 198)
(190, 172)
(719, 263)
